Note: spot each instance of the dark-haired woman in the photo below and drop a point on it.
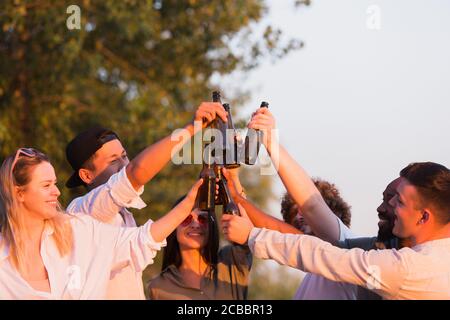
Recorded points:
(195, 268)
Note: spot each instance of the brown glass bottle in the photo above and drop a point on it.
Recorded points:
(231, 160)
(229, 206)
(219, 200)
(253, 142)
(207, 191)
(225, 148)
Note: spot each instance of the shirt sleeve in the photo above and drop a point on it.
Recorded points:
(137, 247)
(344, 231)
(132, 246)
(382, 271)
(104, 202)
(365, 243)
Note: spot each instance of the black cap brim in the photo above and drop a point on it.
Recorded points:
(74, 181)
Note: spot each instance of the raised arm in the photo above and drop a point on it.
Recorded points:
(151, 160)
(164, 226)
(297, 182)
(379, 270)
(258, 217)
(138, 245)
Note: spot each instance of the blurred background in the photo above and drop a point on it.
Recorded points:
(359, 89)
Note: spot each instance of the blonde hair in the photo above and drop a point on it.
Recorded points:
(12, 219)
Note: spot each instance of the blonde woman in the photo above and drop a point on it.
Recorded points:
(46, 254)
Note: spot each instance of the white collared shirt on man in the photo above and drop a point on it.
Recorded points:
(107, 203)
(420, 272)
(316, 287)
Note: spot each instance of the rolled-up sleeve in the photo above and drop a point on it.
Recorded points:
(123, 193)
(136, 246)
(104, 202)
(382, 271)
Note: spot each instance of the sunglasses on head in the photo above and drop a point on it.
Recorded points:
(201, 218)
(28, 152)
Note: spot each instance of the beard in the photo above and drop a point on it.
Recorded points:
(385, 231)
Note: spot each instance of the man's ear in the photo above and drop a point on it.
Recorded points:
(425, 217)
(86, 175)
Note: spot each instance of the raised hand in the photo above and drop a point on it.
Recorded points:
(208, 111)
(264, 121)
(236, 228)
(189, 201)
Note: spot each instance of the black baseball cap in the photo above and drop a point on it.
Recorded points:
(82, 147)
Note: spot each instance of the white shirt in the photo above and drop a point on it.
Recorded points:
(316, 287)
(420, 272)
(98, 250)
(107, 203)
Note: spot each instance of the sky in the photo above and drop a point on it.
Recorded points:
(367, 95)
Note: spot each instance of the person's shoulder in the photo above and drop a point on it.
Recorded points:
(156, 281)
(365, 243)
(82, 221)
(75, 206)
(83, 203)
(161, 279)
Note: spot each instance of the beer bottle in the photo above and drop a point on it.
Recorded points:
(221, 126)
(253, 142)
(220, 197)
(231, 161)
(207, 191)
(229, 206)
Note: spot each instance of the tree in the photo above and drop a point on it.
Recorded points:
(137, 67)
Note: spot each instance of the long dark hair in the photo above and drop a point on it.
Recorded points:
(172, 254)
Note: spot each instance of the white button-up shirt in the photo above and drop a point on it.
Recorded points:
(98, 250)
(316, 287)
(107, 203)
(420, 272)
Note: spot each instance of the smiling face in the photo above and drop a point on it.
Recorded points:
(386, 212)
(193, 232)
(40, 196)
(408, 213)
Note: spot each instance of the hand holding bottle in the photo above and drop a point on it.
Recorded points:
(264, 121)
(237, 228)
(208, 111)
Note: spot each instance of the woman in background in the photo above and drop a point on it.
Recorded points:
(195, 268)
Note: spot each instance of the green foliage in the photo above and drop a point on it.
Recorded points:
(136, 68)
